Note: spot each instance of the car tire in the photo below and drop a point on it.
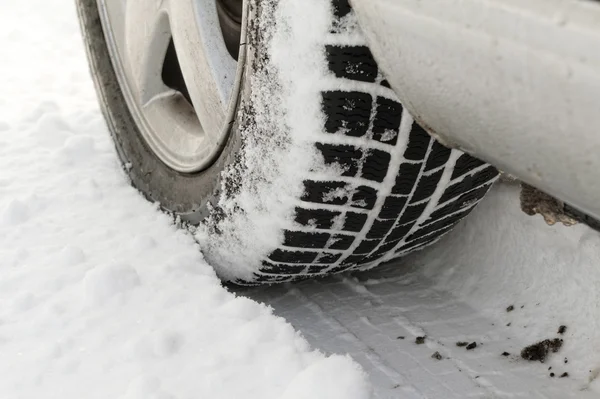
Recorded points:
(324, 170)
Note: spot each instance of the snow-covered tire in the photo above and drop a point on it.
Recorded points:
(325, 172)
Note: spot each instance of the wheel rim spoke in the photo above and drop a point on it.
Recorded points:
(209, 72)
(147, 36)
(187, 137)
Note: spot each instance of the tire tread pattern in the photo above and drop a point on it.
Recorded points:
(356, 223)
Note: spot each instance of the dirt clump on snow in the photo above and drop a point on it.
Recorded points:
(437, 356)
(562, 330)
(472, 346)
(462, 344)
(420, 340)
(539, 351)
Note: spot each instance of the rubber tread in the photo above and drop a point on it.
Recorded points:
(429, 190)
(352, 62)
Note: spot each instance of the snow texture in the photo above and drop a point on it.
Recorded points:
(278, 142)
(503, 280)
(101, 296)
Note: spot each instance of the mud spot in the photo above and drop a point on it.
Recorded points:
(534, 201)
(472, 346)
(505, 354)
(420, 340)
(539, 351)
(510, 308)
(462, 344)
(562, 330)
(564, 375)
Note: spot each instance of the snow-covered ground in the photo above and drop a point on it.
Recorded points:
(102, 297)
(463, 290)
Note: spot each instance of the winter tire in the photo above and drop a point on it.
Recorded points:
(320, 169)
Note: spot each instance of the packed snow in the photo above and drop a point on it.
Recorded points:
(102, 296)
(503, 281)
(549, 275)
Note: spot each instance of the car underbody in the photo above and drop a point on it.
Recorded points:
(521, 75)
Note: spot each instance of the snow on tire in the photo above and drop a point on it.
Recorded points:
(333, 173)
(324, 171)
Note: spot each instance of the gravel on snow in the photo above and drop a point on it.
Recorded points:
(100, 295)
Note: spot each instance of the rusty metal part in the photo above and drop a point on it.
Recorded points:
(534, 201)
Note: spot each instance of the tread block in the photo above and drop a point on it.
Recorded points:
(302, 239)
(380, 228)
(412, 213)
(464, 164)
(375, 165)
(325, 192)
(280, 255)
(316, 269)
(339, 269)
(426, 186)
(348, 112)
(273, 268)
(463, 201)
(364, 197)
(372, 258)
(341, 8)
(438, 157)
(327, 258)
(347, 156)
(266, 278)
(425, 240)
(319, 218)
(399, 232)
(354, 222)
(366, 246)
(418, 143)
(469, 182)
(352, 260)
(413, 247)
(385, 248)
(392, 207)
(295, 279)
(406, 178)
(352, 62)
(433, 227)
(386, 123)
(341, 241)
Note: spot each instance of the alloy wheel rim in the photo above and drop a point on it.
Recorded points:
(176, 65)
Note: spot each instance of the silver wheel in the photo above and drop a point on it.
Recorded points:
(177, 64)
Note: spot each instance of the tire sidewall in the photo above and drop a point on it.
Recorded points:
(185, 195)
